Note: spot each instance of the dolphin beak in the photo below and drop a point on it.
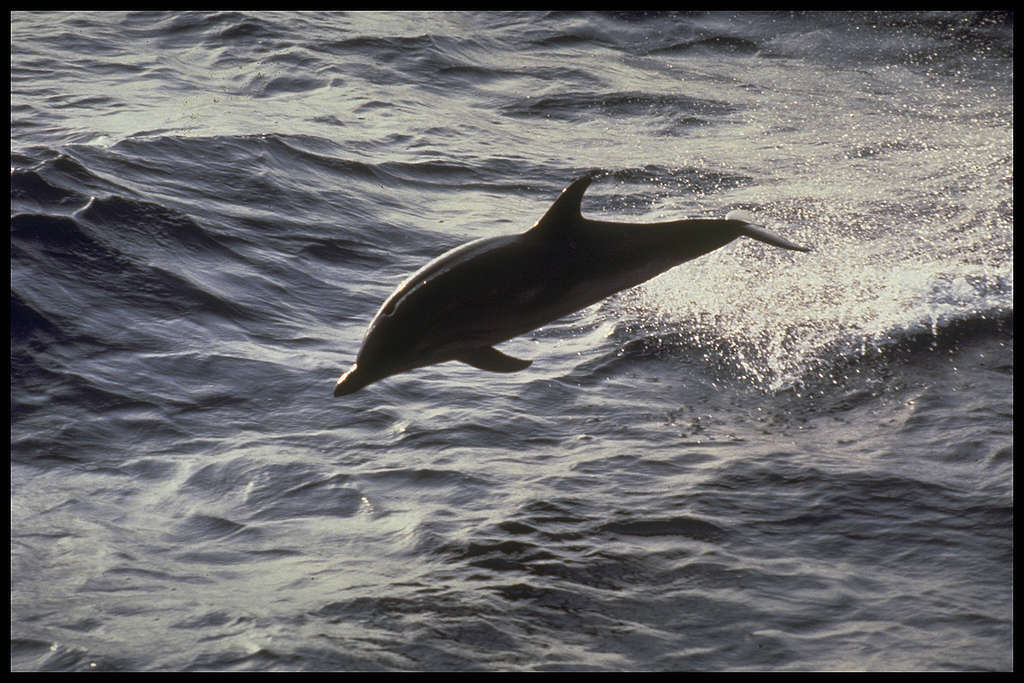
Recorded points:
(350, 382)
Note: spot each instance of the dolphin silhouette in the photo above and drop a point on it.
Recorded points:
(458, 306)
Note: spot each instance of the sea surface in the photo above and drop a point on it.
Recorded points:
(760, 460)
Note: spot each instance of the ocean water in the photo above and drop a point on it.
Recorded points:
(760, 460)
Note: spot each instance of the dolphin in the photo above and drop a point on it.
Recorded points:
(458, 306)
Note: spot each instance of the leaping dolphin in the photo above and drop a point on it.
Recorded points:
(458, 306)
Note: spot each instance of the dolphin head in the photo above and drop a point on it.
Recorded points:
(386, 351)
(371, 365)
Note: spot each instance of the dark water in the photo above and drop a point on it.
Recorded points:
(759, 460)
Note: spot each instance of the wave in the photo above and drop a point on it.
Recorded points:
(585, 105)
(57, 183)
(118, 262)
(29, 189)
(834, 366)
(147, 228)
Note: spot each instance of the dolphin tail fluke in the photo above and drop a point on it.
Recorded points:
(490, 358)
(758, 232)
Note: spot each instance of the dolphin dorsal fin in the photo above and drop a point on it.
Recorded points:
(566, 209)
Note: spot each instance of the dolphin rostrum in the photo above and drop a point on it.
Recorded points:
(458, 306)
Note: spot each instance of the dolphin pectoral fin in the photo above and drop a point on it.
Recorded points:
(490, 358)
